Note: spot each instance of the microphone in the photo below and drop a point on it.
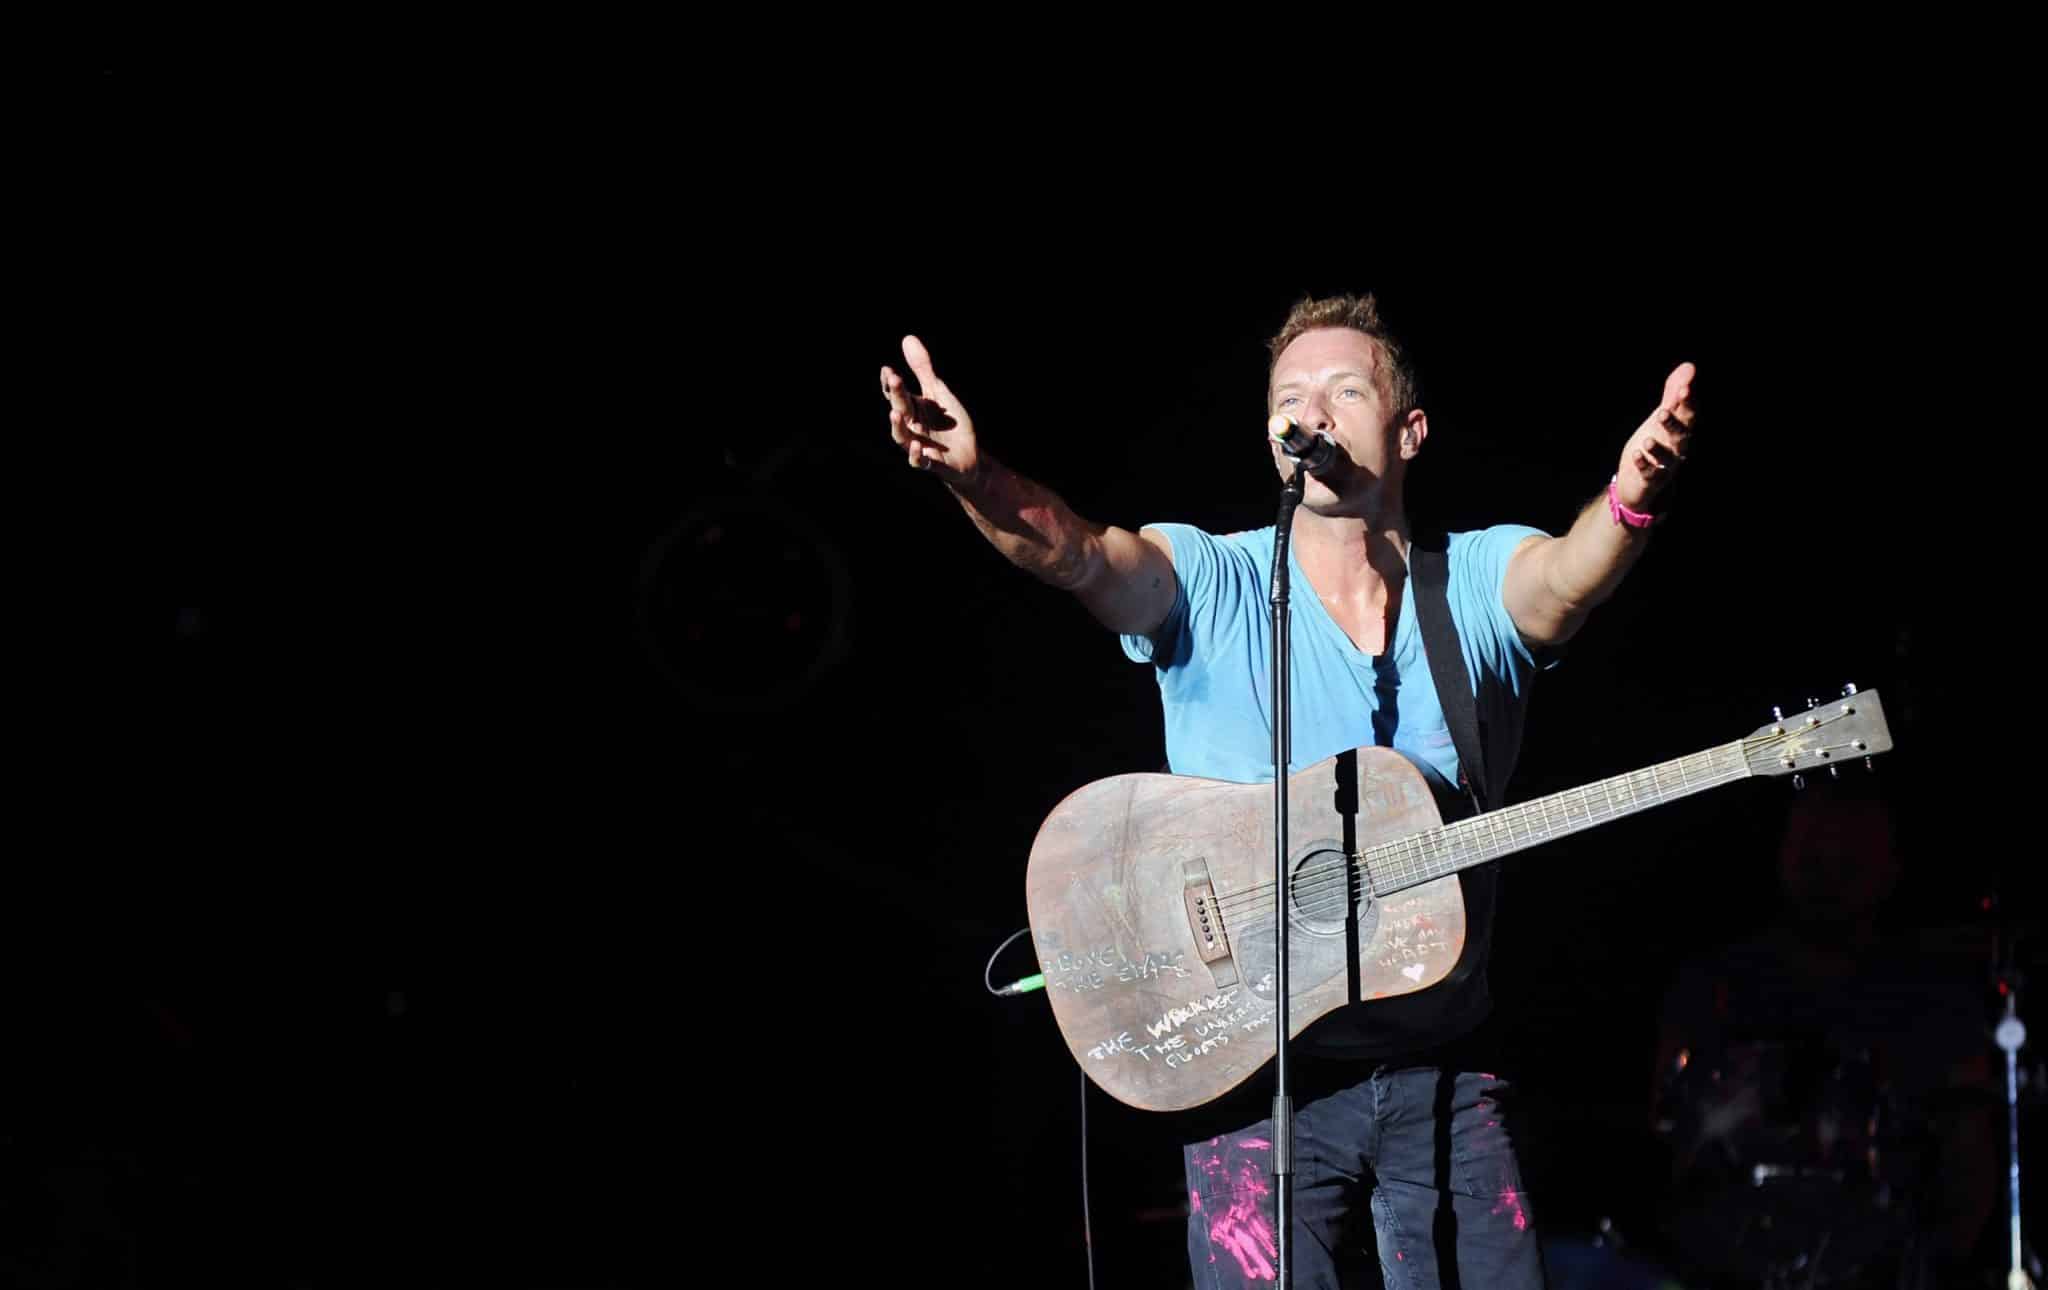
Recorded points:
(1316, 452)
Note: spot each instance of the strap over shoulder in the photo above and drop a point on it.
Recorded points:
(1429, 569)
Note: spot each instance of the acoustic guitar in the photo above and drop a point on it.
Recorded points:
(1151, 896)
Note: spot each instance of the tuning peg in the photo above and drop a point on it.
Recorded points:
(1834, 772)
(1799, 781)
(1848, 689)
(1811, 704)
(1867, 764)
(1777, 713)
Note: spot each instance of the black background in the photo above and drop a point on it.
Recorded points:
(544, 780)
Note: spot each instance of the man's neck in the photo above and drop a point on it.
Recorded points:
(1358, 561)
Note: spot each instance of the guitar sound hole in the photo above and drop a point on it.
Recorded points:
(1324, 885)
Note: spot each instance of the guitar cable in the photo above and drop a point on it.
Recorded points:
(1022, 985)
(1025, 985)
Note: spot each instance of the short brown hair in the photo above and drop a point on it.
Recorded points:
(1359, 314)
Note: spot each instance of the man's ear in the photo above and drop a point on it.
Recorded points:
(1414, 429)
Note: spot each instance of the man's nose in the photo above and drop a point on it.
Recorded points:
(1316, 414)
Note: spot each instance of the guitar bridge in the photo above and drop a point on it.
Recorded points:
(1205, 922)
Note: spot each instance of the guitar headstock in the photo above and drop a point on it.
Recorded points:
(1826, 734)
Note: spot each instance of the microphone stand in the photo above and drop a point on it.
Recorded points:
(1283, 1107)
(2011, 1036)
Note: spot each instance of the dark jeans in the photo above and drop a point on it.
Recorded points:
(1430, 1150)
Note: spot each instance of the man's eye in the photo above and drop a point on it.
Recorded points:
(1286, 399)
(1351, 391)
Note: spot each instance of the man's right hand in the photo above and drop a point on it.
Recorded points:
(1125, 579)
(933, 427)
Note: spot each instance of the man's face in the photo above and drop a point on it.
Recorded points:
(1329, 380)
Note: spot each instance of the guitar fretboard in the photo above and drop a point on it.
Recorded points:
(1434, 853)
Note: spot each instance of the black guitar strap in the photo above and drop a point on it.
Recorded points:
(1429, 564)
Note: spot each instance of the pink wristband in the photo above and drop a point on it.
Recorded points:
(1622, 514)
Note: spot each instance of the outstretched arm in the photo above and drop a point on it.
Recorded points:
(1125, 579)
(1554, 583)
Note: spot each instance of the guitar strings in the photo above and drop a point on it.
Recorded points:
(1397, 864)
(1332, 890)
(1414, 854)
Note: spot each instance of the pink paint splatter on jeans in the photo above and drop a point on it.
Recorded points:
(1243, 1230)
(1245, 1234)
(1509, 1200)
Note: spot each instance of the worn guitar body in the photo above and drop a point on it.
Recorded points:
(1151, 903)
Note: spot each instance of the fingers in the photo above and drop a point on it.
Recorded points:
(1678, 386)
(919, 422)
(1660, 446)
(1676, 411)
(899, 406)
(928, 454)
(1668, 432)
(920, 360)
(911, 413)
(910, 418)
(901, 415)
(1654, 457)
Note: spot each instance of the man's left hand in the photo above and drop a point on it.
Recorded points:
(1657, 447)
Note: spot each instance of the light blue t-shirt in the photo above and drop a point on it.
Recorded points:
(1213, 656)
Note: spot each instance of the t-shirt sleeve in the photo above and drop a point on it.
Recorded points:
(1198, 560)
(1482, 577)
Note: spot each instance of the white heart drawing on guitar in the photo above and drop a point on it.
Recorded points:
(1412, 973)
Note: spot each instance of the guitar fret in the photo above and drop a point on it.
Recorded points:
(1446, 849)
